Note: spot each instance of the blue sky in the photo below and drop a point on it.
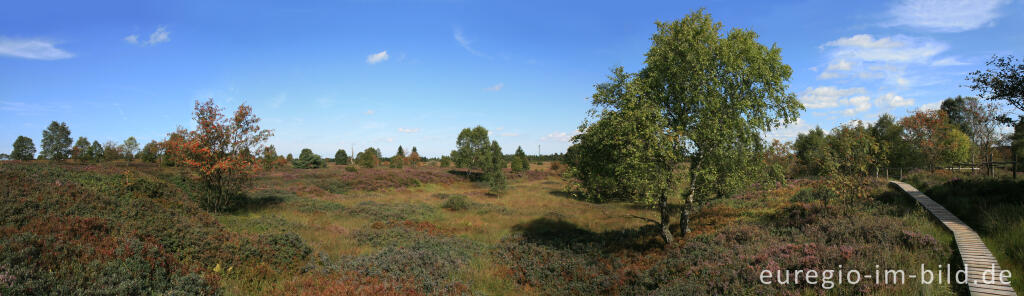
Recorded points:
(329, 75)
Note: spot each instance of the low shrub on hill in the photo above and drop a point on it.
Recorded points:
(100, 230)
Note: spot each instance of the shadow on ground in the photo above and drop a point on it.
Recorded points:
(557, 233)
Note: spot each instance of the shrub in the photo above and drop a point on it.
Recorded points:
(416, 256)
(214, 152)
(369, 158)
(351, 169)
(308, 160)
(456, 203)
(340, 157)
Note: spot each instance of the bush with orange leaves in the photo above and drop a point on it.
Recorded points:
(218, 153)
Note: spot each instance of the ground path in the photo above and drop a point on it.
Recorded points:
(976, 257)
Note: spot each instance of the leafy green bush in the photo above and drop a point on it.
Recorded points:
(351, 169)
(308, 160)
(457, 203)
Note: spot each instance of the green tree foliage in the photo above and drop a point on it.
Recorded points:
(112, 151)
(369, 158)
(853, 149)
(309, 160)
(80, 151)
(957, 147)
(340, 157)
(150, 152)
(957, 113)
(812, 152)
(472, 147)
(398, 161)
(445, 161)
(1002, 81)
(893, 150)
(56, 144)
(519, 161)
(289, 158)
(1016, 143)
(130, 147)
(494, 172)
(23, 149)
(628, 152)
(269, 158)
(96, 151)
(475, 150)
(720, 93)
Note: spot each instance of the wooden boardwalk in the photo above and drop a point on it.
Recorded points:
(975, 254)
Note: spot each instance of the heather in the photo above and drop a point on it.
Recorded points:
(92, 229)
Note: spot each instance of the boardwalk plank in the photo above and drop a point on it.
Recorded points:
(973, 252)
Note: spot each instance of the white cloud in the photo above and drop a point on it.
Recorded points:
(32, 49)
(509, 134)
(950, 61)
(828, 75)
(369, 112)
(496, 87)
(465, 43)
(890, 100)
(377, 57)
(558, 137)
(841, 65)
(408, 130)
(930, 106)
(898, 48)
(945, 15)
(159, 36)
(859, 103)
(826, 96)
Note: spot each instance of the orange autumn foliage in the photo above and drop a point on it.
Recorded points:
(217, 152)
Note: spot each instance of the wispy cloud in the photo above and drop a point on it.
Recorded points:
(408, 130)
(35, 49)
(864, 56)
(161, 35)
(558, 137)
(945, 15)
(510, 134)
(496, 87)
(949, 61)
(465, 43)
(369, 112)
(826, 96)
(898, 48)
(377, 57)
